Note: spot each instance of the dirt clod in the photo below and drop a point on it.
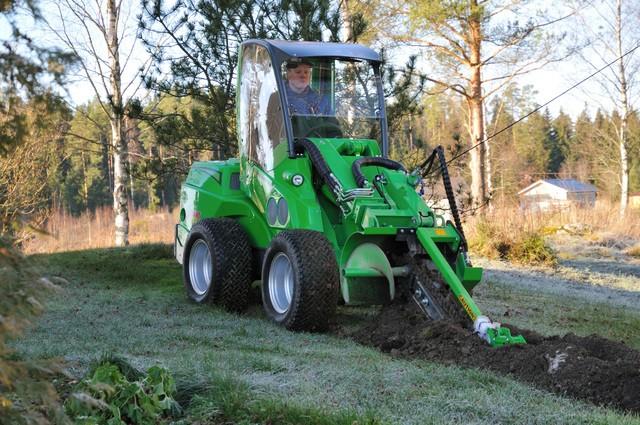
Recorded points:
(592, 368)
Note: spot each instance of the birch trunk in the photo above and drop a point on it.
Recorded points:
(85, 186)
(624, 103)
(488, 184)
(345, 11)
(118, 141)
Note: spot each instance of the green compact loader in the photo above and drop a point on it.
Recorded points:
(314, 208)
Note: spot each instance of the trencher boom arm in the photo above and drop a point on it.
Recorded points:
(492, 332)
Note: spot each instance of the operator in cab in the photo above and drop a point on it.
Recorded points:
(302, 99)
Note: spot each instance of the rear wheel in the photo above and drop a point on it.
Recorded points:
(217, 266)
(300, 281)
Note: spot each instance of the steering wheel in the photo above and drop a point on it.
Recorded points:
(330, 129)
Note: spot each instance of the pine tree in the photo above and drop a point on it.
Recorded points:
(580, 147)
(562, 129)
(465, 39)
(24, 66)
(202, 58)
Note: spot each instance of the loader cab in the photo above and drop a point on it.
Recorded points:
(345, 92)
(342, 99)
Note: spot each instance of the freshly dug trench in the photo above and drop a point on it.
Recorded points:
(590, 368)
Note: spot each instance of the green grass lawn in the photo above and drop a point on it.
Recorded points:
(243, 369)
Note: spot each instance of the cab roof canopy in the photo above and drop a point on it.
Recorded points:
(282, 50)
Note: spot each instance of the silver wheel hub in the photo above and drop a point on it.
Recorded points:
(280, 283)
(200, 268)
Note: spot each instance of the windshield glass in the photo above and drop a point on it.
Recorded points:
(332, 98)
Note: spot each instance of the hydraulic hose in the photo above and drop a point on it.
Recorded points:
(372, 160)
(318, 162)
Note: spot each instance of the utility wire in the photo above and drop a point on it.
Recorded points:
(543, 105)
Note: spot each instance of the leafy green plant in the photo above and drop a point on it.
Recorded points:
(114, 393)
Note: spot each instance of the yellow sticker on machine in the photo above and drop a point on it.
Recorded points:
(441, 232)
(463, 301)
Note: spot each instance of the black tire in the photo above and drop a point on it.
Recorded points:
(314, 285)
(223, 246)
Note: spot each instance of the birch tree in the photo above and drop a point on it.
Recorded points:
(98, 34)
(615, 34)
(476, 48)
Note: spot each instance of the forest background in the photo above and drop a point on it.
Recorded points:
(160, 79)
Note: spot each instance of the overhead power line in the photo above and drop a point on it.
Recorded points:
(543, 105)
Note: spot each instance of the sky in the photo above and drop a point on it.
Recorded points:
(52, 34)
(548, 82)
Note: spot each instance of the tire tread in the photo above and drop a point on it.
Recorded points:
(314, 306)
(231, 256)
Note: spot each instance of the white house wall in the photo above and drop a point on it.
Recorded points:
(554, 192)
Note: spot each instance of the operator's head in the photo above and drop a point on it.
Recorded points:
(299, 75)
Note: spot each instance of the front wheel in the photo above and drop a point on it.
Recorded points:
(217, 264)
(300, 281)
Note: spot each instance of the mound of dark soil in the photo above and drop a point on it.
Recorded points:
(591, 368)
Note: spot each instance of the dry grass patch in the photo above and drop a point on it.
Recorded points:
(64, 232)
(518, 235)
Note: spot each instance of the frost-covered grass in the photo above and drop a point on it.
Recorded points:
(580, 280)
(586, 293)
(243, 369)
(556, 312)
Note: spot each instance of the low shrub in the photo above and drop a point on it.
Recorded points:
(27, 395)
(491, 239)
(486, 240)
(115, 393)
(531, 249)
(634, 251)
